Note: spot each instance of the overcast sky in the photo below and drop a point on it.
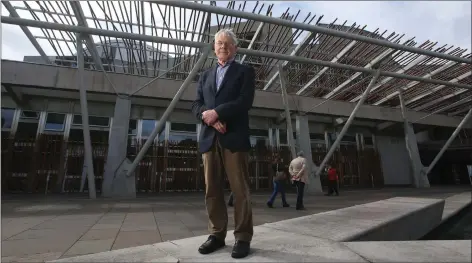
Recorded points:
(447, 22)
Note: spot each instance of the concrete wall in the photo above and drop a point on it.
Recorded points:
(395, 162)
(59, 78)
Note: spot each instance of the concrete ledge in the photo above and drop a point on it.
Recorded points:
(455, 204)
(387, 220)
(269, 245)
(414, 251)
(314, 238)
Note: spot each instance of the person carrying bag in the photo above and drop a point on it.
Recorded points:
(278, 182)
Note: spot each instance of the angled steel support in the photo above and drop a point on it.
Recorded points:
(459, 111)
(311, 28)
(85, 119)
(467, 99)
(357, 74)
(400, 71)
(438, 88)
(414, 83)
(27, 32)
(249, 52)
(446, 145)
(17, 97)
(348, 123)
(294, 53)
(418, 178)
(283, 87)
(436, 101)
(387, 124)
(160, 125)
(79, 14)
(321, 72)
(459, 102)
(254, 38)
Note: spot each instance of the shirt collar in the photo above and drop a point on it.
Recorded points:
(227, 63)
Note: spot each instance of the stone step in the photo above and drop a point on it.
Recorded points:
(315, 238)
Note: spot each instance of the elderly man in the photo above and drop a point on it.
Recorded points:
(225, 94)
(299, 171)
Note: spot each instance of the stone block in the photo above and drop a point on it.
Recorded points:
(414, 251)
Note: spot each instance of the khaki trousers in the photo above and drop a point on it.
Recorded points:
(236, 167)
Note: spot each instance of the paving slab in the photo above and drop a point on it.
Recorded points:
(39, 228)
(146, 253)
(82, 247)
(41, 257)
(14, 227)
(25, 247)
(136, 238)
(100, 234)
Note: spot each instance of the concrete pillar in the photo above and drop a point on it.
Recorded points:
(303, 140)
(419, 179)
(119, 185)
(418, 176)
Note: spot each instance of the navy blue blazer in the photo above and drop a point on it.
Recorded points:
(232, 102)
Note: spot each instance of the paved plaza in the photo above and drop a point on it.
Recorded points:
(36, 229)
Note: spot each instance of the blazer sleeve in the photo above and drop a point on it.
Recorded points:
(243, 103)
(198, 105)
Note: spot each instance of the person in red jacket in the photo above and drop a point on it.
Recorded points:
(332, 180)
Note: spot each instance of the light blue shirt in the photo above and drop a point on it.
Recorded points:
(221, 72)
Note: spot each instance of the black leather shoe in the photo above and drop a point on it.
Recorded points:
(240, 249)
(211, 245)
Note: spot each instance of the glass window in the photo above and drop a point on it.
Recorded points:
(133, 127)
(147, 127)
(258, 132)
(349, 138)
(77, 135)
(26, 130)
(7, 118)
(182, 137)
(283, 137)
(55, 122)
(93, 121)
(317, 136)
(174, 126)
(259, 141)
(29, 114)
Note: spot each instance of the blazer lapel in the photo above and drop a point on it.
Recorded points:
(230, 72)
(213, 80)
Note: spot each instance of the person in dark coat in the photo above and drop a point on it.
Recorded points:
(278, 181)
(225, 94)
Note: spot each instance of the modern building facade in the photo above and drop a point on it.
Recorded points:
(42, 138)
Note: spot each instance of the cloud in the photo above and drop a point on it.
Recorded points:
(447, 22)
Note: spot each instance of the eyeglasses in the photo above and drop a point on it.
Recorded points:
(220, 44)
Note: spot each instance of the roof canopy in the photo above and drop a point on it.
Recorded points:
(333, 61)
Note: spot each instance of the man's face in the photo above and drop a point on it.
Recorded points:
(224, 48)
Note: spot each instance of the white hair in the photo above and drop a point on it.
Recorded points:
(227, 32)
